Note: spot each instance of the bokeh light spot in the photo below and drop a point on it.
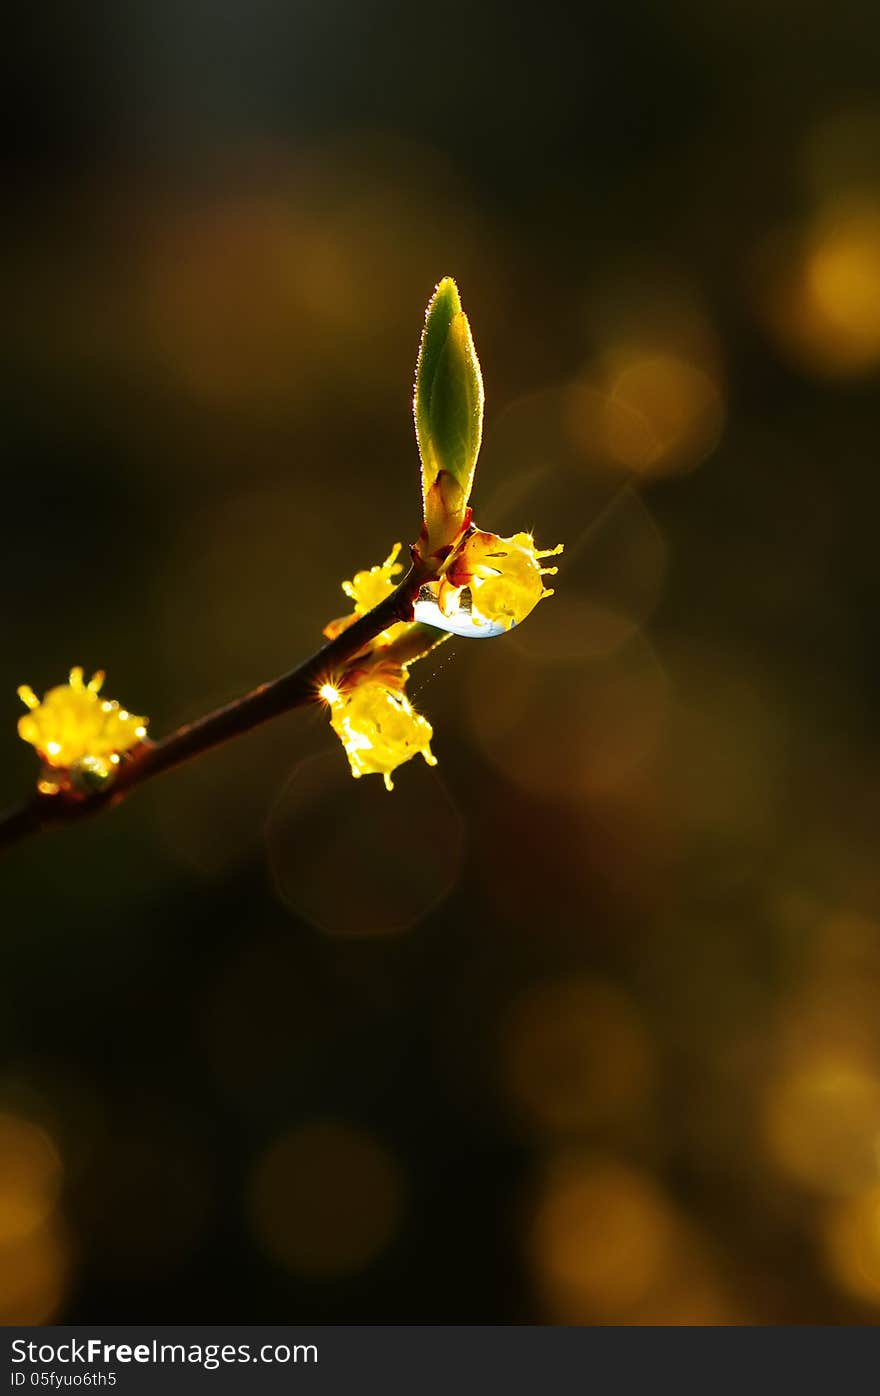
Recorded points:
(34, 1260)
(33, 1276)
(662, 415)
(819, 288)
(602, 1239)
(822, 1120)
(30, 1177)
(326, 1199)
(851, 1237)
(843, 280)
(575, 1055)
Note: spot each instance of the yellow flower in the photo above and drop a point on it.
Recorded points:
(377, 725)
(366, 589)
(490, 584)
(74, 727)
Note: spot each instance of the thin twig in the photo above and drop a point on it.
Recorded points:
(291, 690)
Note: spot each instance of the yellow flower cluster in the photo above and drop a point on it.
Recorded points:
(76, 730)
(371, 714)
(366, 589)
(487, 585)
(378, 726)
(503, 575)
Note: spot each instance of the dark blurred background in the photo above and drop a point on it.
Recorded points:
(581, 1027)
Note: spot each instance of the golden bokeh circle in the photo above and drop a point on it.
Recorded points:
(326, 1199)
(574, 1055)
(30, 1177)
(603, 1237)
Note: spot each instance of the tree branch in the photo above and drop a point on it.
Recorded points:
(291, 690)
